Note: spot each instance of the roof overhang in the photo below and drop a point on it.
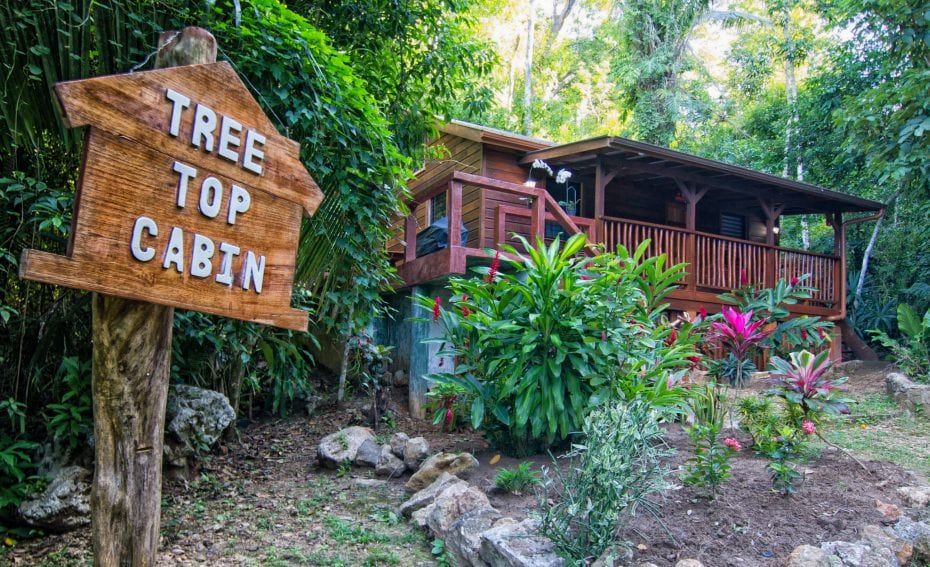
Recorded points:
(625, 155)
(495, 137)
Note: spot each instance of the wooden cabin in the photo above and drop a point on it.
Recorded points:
(722, 220)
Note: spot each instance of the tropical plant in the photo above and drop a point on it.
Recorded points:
(15, 468)
(911, 353)
(709, 467)
(759, 417)
(613, 471)
(449, 403)
(518, 479)
(788, 446)
(70, 420)
(537, 345)
(803, 382)
(739, 336)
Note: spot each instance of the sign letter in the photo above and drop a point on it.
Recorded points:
(251, 138)
(201, 266)
(239, 202)
(187, 173)
(174, 253)
(211, 193)
(204, 125)
(227, 126)
(253, 272)
(229, 252)
(135, 245)
(178, 103)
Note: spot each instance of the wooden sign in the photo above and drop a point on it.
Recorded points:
(188, 196)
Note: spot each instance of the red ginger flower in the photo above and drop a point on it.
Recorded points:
(794, 281)
(495, 264)
(804, 334)
(436, 304)
(672, 337)
(702, 312)
(449, 417)
(732, 444)
(465, 310)
(695, 360)
(808, 427)
(743, 277)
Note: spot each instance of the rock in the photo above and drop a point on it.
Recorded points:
(689, 562)
(915, 496)
(614, 557)
(518, 545)
(311, 403)
(64, 504)
(400, 378)
(194, 420)
(889, 512)
(808, 556)
(426, 496)
(458, 464)
(368, 454)
(341, 446)
(451, 504)
(851, 554)
(877, 538)
(463, 538)
(388, 465)
(415, 452)
(398, 441)
(915, 397)
(369, 482)
(917, 534)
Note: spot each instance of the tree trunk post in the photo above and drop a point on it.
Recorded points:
(131, 367)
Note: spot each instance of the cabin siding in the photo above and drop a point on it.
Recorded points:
(456, 154)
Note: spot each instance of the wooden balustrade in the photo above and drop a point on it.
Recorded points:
(719, 262)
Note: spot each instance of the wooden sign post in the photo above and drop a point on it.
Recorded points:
(188, 198)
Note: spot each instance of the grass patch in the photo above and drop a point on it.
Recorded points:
(381, 557)
(344, 532)
(879, 429)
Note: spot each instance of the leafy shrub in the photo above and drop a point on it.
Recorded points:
(709, 467)
(912, 352)
(70, 420)
(760, 419)
(612, 474)
(517, 480)
(15, 466)
(788, 446)
(740, 336)
(536, 346)
(448, 402)
(806, 387)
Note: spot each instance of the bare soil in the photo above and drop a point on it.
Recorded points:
(264, 501)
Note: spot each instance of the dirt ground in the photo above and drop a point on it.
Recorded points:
(264, 500)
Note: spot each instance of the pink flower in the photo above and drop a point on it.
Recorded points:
(436, 304)
(732, 444)
(737, 330)
(808, 427)
(495, 264)
(449, 417)
(702, 312)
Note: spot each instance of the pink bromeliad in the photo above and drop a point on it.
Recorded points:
(738, 331)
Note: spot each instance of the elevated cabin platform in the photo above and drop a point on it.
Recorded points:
(721, 220)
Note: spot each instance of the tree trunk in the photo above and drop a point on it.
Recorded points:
(343, 371)
(131, 367)
(528, 72)
(860, 285)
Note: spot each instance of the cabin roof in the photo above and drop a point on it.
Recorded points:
(495, 136)
(651, 162)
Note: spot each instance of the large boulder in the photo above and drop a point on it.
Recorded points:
(459, 464)
(388, 464)
(342, 446)
(194, 420)
(451, 504)
(398, 442)
(914, 397)
(808, 556)
(463, 538)
(518, 545)
(425, 497)
(368, 454)
(64, 504)
(415, 452)
(915, 496)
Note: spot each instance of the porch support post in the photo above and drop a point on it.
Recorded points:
(410, 234)
(839, 281)
(692, 194)
(538, 216)
(600, 188)
(455, 213)
(771, 212)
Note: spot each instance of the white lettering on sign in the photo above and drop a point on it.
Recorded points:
(135, 245)
(203, 133)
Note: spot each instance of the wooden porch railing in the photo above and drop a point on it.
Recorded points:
(718, 262)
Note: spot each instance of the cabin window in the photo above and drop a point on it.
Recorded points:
(437, 207)
(732, 225)
(567, 195)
